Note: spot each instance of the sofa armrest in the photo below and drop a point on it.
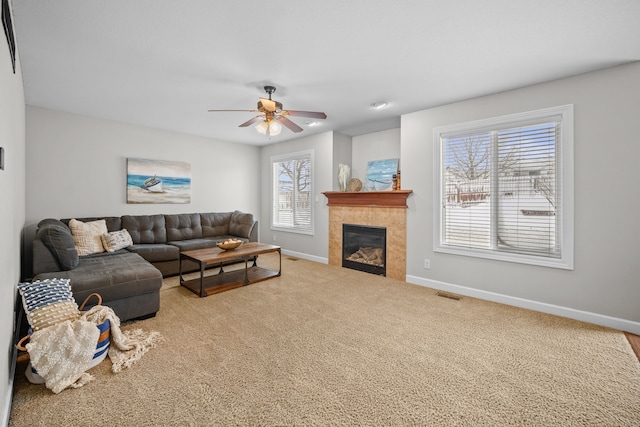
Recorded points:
(43, 260)
(253, 234)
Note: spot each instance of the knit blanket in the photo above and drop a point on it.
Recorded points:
(62, 353)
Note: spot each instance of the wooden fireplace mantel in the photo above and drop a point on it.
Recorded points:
(387, 199)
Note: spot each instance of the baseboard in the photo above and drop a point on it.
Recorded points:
(571, 313)
(306, 256)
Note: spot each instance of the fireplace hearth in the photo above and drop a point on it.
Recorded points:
(364, 248)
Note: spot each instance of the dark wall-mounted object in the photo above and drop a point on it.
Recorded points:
(8, 31)
(2, 158)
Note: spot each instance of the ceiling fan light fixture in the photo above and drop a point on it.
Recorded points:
(269, 127)
(273, 117)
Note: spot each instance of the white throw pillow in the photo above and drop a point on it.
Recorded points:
(117, 240)
(87, 236)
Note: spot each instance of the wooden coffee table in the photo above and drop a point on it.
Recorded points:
(226, 280)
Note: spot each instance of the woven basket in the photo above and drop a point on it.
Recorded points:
(102, 345)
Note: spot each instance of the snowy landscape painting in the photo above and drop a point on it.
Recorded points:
(158, 181)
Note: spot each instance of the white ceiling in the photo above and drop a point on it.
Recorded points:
(164, 63)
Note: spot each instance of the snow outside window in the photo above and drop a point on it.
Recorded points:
(292, 180)
(504, 188)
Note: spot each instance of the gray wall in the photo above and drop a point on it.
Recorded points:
(76, 166)
(374, 146)
(12, 210)
(342, 150)
(604, 287)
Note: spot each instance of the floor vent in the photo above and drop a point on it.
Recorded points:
(292, 259)
(450, 296)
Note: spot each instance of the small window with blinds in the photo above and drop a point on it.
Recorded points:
(505, 188)
(292, 182)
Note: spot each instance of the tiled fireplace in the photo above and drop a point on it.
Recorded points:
(383, 209)
(364, 248)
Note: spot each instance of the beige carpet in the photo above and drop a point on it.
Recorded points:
(323, 345)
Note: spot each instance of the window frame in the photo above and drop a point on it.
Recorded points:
(564, 173)
(310, 230)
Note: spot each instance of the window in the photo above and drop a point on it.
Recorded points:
(504, 188)
(292, 177)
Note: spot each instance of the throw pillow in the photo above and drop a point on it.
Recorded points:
(58, 239)
(116, 240)
(87, 236)
(48, 302)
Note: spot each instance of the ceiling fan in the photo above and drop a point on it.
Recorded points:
(272, 116)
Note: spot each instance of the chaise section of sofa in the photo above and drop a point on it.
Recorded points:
(126, 282)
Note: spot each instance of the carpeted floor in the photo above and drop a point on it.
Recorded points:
(323, 345)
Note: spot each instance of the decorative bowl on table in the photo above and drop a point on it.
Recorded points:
(230, 244)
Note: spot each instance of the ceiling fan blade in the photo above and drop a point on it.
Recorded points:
(313, 114)
(288, 123)
(239, 111)
(249, 122)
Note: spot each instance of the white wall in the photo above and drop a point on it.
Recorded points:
(314, 247)
(374, 146)
(342, 151)
(12, 211)
(76, 167)
(604, 287)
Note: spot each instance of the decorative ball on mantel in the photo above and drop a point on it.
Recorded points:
(354, 185)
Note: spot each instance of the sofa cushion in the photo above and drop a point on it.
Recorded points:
(114, 276)
(86, 236)
(241, 224)
(116, 240)
(156, 252)
(145, 228)
(189, 245)
(58, 239)
(183, 226)
(215, 223)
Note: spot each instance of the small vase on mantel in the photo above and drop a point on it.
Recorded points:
(343, 176)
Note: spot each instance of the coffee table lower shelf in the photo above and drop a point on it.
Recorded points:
(228, 280)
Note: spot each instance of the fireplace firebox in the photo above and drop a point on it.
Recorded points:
(364, 248)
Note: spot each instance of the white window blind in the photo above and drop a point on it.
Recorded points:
(292, 192)
(501, 191)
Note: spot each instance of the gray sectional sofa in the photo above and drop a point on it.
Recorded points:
(129, 279)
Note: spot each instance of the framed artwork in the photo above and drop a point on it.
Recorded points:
(380, 174)
(158, 181)
(8, 31)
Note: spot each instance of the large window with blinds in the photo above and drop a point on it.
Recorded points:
(292, 182)
(504, 188)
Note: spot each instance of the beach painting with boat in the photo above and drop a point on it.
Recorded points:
(158, 181)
